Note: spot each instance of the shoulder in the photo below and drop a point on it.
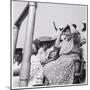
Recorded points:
(33, 57)
(41, 50)
(76, 36)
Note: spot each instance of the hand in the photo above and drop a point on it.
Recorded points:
(43, 63)
(55, 26)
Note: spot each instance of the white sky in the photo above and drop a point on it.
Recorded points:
(46, 13)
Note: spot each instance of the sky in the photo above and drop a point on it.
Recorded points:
(46, 13)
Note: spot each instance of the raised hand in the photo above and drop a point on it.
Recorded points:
(55, 26)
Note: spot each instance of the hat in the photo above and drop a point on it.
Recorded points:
(67, 27)
(74, 25)
(73, 29)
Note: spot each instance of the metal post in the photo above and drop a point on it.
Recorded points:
(25, 67)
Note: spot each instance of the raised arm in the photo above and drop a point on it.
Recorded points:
(54, 26)
(57, 43)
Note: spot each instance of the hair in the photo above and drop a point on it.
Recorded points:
(18, 51)
(36, 45)
(67, 27)
(74, 25)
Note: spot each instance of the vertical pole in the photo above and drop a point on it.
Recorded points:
(15, 37)
(25, 67)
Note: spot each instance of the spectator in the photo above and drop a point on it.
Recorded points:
(36, 71)
(61, 70)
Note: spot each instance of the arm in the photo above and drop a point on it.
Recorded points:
(82, 42)
(54, 26)
(57, 43)
(47, 61)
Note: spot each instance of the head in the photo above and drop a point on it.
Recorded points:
(18, 55)
(34, 48)
(45, 47)
(66, 34)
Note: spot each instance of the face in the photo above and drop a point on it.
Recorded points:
(44, 47)
(34, 50)
(63, 36)
(68, 34)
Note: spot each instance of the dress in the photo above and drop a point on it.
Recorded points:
(61, 71)
(36, 72)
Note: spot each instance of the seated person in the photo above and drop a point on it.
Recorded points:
(36, 71)
(51, 54)
(61, 70)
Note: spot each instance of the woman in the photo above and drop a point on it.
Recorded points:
(61, 70)
(36, 72)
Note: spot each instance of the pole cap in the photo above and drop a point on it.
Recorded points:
(33, 4)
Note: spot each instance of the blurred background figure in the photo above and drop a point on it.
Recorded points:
(16, 66)
(36, 71)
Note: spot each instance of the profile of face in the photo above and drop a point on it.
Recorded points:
(45, 47)
(65, 34)
(34, 49)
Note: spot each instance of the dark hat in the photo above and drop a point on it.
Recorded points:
(74, 25)
(67, 27)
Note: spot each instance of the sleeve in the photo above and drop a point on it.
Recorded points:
(76, 38)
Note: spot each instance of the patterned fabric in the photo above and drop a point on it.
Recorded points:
(36, 72)
(66, 46)
(61, 71)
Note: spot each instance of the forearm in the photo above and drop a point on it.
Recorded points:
(82, 42)
(49, 60)
(57, 41)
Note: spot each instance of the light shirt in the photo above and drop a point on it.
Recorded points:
(36, 72)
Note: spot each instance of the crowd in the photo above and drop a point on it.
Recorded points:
(61, 63)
